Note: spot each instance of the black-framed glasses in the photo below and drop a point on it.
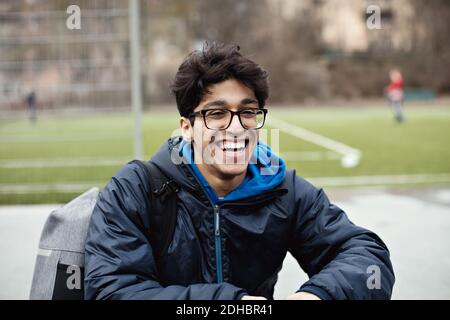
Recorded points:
(220, 119)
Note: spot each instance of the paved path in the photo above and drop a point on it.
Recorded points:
(415, 224)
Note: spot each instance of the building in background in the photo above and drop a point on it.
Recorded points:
(323, 47)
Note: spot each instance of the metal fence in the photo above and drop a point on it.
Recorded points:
(41, 51)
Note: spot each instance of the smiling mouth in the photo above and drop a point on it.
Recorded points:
(234, 146)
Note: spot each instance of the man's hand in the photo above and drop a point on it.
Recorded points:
(247, 297)
(303, 296)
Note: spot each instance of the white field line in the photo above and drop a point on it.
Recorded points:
(92, 162)
(379, 180)
(318, 181)
(52, 163)
(312, 137)
(310, 155)
(60, 138)
(50, 187)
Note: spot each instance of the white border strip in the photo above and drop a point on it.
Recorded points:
(315, 138)
(51, 187)
(54, 163)
(310, 155)
(318, 181)
(380, 180)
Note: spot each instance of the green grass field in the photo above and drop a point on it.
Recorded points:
(59, 157)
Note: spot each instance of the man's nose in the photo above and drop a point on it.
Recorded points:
(235, 125)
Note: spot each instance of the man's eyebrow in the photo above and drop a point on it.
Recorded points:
(221, 103)
(248, 101)
(214, 103)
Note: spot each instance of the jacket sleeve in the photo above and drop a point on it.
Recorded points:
(119, 262)
(342, 260)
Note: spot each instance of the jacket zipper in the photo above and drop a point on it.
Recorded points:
(218, 244)
(217, 239)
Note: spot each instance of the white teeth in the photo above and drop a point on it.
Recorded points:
(233, 146)
(229, 145)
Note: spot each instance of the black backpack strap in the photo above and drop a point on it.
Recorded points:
(163, 200)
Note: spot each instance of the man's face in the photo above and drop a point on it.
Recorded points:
(223, 153)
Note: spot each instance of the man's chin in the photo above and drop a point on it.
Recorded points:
(231, 170)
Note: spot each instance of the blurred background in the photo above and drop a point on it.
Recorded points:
(67, 121)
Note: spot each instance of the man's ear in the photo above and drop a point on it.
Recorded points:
(186, 129)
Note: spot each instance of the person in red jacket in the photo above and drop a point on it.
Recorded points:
(395, 92)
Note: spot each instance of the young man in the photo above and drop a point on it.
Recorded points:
(395, 92)
(239, 211)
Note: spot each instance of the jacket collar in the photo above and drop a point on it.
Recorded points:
(171, 161)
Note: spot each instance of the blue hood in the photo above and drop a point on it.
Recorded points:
(265, 172)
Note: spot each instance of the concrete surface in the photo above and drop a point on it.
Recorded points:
(414, 223)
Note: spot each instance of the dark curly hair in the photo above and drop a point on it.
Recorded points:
(215, 63)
